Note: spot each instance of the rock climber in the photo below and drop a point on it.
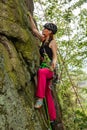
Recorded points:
(48, 60)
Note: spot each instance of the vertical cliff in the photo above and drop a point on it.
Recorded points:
(19, 60)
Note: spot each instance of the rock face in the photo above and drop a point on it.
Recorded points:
(19, 60)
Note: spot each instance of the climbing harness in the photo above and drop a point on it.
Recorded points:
(55, 78)
(46, 63)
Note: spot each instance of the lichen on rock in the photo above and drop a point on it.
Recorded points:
(19, 61)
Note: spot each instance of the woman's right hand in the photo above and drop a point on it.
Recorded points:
(34, 28)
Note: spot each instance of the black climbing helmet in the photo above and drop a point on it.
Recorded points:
(51, 26)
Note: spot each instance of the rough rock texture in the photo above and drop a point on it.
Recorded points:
(18, 62)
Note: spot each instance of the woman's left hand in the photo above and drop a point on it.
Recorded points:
(53, 64)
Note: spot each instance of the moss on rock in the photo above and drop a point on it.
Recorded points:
(19, 60)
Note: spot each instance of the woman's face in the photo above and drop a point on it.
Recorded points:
(46, 32)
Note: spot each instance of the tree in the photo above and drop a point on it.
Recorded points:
(71, 19)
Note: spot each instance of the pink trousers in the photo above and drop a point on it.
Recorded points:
(44, 91)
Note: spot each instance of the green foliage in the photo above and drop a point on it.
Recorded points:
(72, 56)
(79, 3)
(81, 119)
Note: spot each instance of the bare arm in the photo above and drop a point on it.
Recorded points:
(53, 46)
(34, 28)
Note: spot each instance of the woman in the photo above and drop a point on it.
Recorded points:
(45, 74)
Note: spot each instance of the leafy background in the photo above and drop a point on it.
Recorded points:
(71, 18)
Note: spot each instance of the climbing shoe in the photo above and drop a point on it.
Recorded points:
(52, 123)
(38, 103)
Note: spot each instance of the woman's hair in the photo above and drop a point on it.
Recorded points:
(51, 37)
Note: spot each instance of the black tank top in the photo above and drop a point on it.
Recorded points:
(46, 49)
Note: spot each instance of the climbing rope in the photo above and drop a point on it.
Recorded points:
(73, 86)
